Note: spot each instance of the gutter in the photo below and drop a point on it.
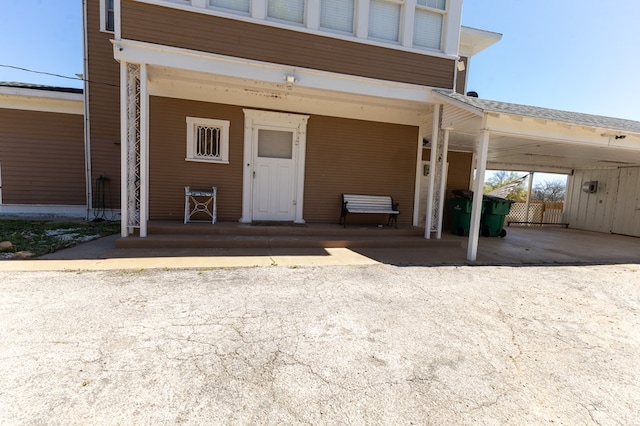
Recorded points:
(87, 121)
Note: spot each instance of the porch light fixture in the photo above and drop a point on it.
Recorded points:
(461, 66)
(289, 80)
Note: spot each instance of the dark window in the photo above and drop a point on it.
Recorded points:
(109, 19)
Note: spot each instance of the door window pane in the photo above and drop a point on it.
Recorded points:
(275, 144)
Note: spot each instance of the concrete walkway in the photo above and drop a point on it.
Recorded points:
(522, 246)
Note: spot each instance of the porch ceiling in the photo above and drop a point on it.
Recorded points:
(537, 141)
(299, 97)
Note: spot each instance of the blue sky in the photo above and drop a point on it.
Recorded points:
(575, 55)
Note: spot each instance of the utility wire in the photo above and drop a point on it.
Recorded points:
(56, 75)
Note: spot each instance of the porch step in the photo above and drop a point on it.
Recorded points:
(168, 235)
(279, 241)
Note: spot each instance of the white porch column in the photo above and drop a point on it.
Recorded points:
(435, 127)
(144, 151)
(443, 181)
(130, 122)
(478, 187)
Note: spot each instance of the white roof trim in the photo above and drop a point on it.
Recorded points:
(41, 100)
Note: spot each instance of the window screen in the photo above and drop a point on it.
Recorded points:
(428, 29)
(337, 15)
(287, 10)
(239, 5)
(384, 20)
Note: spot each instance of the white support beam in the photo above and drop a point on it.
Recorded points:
(528, 205)
(443, 182)
(476, 208)
(144, 151)
(432, 161)
(124, 147)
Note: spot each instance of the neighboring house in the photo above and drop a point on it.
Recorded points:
(42, 155)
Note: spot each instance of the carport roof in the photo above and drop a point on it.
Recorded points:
(575, 118)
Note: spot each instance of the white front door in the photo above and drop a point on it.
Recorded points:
(274, 173)
(274, 160)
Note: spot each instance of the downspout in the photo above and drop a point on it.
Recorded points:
(87, 122)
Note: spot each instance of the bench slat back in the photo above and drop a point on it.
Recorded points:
(382, 203)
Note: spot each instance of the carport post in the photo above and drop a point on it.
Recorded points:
(529, 196)
(443, 182)
(476, 207)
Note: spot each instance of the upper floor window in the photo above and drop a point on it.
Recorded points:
(384, 19)
(108, 18)
(237, 5)
(427, 31)
(287, 10)
(337, 15)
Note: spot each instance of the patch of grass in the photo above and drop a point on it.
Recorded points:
(46, 236)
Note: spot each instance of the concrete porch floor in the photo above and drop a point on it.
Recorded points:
(333, 245)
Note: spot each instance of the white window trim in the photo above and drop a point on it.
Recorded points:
(223, 125)
(443, 32)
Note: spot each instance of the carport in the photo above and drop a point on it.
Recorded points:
(505, 136)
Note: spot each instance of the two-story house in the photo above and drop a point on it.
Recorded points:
(282, 104)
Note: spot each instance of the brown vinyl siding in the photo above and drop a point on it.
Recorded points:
(169, 173)
(104, 105)
(342, 156)
(42, 155)
(207, 33)
(358, 157)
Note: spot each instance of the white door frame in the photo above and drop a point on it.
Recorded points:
(297, 122)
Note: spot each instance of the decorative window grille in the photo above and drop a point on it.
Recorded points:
(337, 15)
(428, 23)
(237, 5)
(207, 140)
(287, 10)
(384, 20)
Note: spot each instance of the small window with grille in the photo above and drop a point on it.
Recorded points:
(207, 140)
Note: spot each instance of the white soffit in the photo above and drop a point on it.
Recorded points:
(474, 41)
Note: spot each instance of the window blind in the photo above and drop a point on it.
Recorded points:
(287, 10)
(427, 30)
(337, 15)
(384, 20)
(239, 5)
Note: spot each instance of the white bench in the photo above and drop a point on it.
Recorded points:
(379, 204)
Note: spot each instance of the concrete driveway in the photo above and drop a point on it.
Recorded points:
(374, 344)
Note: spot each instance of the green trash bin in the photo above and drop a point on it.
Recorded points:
(492, 222)
(461, 215)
